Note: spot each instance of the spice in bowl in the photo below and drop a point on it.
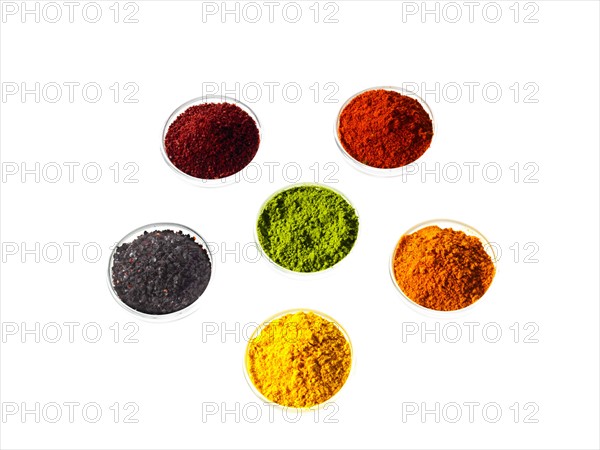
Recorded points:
(211, 140)
(383, 128)
(442, 269)
(300, 359)
(307, 228)
(160, 271)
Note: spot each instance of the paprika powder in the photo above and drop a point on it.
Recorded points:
(384, 129)
(212, 140)
(442, 269)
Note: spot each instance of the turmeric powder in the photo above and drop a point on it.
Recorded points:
(299, 360)
(442, 269)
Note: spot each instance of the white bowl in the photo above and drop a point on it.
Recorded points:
(378, 171)
(216, 182)
(130, 237)
(457, 226)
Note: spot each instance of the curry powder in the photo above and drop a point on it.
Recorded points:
(299, 360)
(442, 269)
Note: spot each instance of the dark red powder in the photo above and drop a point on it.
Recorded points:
(385, 129)
(212, 140)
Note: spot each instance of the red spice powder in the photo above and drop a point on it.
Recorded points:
(385, 129)
(212, 140)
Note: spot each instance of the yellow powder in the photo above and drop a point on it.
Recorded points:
(299, 360)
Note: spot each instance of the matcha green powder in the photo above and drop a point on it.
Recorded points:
(307, 228)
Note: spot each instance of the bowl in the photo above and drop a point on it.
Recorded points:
(160, 227)
(217, 182)
(377, 171)
(293, 273)
(275, 317)
(457, 226)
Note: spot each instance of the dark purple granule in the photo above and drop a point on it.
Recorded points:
(160, 272)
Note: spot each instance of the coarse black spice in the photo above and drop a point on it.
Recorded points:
(160, 272)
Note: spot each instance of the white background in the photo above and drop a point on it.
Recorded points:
(171, 372)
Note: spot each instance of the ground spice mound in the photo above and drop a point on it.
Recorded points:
(442, 269)
(307, 228)
(299, 360)
(160, 272)
(212, 140)
(385, 129)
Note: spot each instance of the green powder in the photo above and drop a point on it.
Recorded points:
(307, 228)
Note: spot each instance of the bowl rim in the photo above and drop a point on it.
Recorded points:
(379, 171)
(163, 226)
(276, 316)
(459, 226)
(206, 182)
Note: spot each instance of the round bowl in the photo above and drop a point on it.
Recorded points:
(293, 273)
(160, 227)
(273, 318)
(377, 171)
(217, 182)
(457, 226)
